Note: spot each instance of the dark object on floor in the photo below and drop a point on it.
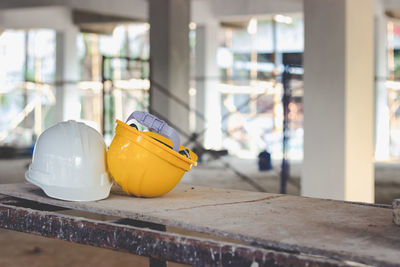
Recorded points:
(214, 154)
(7, 152)
(264, 161)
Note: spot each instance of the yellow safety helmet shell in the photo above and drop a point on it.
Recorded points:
(142, 166)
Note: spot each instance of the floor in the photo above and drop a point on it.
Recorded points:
(19, 249)
(22, 249)
(218, 174)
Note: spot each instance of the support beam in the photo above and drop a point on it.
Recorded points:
(240, 8)
(200, 78)
(382, 115)
(67, 74)
(208, 98)
(51, 17)
(169, 53)
(338, 100)
(128, 8)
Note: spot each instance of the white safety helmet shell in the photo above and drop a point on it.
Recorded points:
(69, 163)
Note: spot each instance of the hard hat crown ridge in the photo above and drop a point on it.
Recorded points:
(147, 164)
(69, 162)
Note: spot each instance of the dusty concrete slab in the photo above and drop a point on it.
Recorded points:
(335, 229)
(215, 174)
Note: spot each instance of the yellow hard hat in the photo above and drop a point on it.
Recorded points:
(147, 164)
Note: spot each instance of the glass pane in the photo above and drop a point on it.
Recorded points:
(27, 75)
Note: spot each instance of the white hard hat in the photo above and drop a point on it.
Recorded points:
(69, 162)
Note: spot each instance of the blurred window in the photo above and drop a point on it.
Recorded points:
(125, 79)
(250, 59)
(394, 85)
(27, 75)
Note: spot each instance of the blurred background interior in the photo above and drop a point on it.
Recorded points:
(279, 96)
(273, 95)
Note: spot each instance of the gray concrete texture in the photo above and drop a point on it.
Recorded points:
(18, 249)
(214, 173)
(281, 222)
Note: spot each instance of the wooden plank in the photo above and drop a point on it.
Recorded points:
(333, 229)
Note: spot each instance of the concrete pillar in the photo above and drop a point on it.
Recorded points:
(169, 53)
(338, 100)
(208, 97)
(68, 105)
(382, 114)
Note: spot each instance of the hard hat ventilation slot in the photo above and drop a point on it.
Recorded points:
(134, 126)
(183, 152)
(159, 126)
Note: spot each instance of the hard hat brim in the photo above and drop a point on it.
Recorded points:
(73, 193)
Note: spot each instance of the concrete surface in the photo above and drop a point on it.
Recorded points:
(215, 174)
(336, 229)
(38, 251)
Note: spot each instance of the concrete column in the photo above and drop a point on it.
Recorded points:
(68, 105)
(169, 53)
(382, 115)
(338, 100)
(208, 97)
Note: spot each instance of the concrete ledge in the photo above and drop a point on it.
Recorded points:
(396, 211)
